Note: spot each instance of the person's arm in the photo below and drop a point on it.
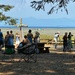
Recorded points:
(32, 35)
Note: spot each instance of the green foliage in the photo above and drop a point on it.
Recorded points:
(12, 21)
(55, 5)
(3, 17)
(6, 7)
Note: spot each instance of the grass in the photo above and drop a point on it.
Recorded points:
(43, 36)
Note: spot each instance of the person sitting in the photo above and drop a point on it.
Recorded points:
(22, 44)
(25, 40)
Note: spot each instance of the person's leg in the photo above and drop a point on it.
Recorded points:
(70, 46)
(55, 45)
(64, 47)
(0, 48)
(1, 42)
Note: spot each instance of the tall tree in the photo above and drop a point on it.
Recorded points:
(3, 17)
(55, 5)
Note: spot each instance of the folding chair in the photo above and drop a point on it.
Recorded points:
(28, 52)
(8, 53)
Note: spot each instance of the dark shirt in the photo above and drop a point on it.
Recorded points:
(69, 36)
(1, 36)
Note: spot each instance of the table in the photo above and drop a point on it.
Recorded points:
(41, 48)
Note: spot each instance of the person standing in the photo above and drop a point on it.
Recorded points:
(7, 40)
(65, 41)
(17, 39)
(37, 37)
(30, 35)
(56, 36)
(1, 39)
(11, 38)
(69, 42)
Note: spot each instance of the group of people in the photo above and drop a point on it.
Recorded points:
(67, 41)
(36, 37)
(9, 38)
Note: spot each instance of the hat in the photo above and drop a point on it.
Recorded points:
(37, 33)
(58, 32)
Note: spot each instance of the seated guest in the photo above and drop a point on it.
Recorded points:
(25, 40)
(22, 44)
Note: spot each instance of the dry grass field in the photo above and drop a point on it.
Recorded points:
(45, 33)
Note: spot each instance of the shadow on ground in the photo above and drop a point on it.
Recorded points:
(59, 63)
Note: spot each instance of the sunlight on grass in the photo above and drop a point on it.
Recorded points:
(72, 69)
(7, 73)
(5, 63)
(50, 71)
(71, 63)
(65, 53)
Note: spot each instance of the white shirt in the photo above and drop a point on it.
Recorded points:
(56, 37)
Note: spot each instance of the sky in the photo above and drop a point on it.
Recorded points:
(22, 9)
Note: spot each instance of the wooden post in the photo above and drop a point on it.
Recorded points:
(21, 30)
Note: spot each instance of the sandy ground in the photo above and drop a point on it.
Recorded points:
(56, 62)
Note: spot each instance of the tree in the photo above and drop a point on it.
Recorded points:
(55, 5)
(37, 5)
(3, 17)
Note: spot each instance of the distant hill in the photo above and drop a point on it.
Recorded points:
(63, 22)
(34, 22)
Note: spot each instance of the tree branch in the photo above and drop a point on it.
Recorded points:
(56, 5)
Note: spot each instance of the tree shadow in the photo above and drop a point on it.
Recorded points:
(47, 63)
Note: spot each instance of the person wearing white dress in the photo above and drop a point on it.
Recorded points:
(17, 39)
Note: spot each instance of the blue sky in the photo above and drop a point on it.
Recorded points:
(22, 9)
